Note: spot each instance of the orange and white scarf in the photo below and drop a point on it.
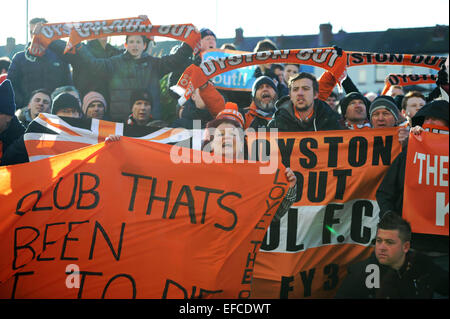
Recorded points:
(195, 76)
(367, 58)
(407, 79)
(87, 30)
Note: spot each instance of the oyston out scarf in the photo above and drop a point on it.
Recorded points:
(407, 79)
(87, 30)
(367, 58)
(326, 58)
(195, 76)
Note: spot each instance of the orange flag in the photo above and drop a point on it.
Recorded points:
(426, 197)
(123, 220)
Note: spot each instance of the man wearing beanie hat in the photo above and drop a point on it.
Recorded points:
(141, 108)
(354, 111)
(264, 97)
(10, 127)
(208, 39)
(383, 112)
(94, 105)
(67, 105)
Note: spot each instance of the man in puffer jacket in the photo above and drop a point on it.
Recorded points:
(10, 127)
(302, 110)
(84, 79)
(134, 69)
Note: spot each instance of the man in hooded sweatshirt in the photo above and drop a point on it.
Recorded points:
(10, 127)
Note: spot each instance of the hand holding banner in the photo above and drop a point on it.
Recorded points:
(124, 227)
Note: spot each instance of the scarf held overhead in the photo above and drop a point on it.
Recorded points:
(367, 58)
(195, 76)
(87, 30)
(408, 79)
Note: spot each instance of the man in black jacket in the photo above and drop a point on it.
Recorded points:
(393, 271)
(10, 127)
(389, 194)
(302, 110)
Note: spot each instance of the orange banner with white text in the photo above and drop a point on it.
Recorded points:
(426, 194)
(104, 222)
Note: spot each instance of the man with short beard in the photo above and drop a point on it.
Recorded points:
(264, 94)
(302, 110)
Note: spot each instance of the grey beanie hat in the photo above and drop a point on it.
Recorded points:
(263, 80)
(384, 102)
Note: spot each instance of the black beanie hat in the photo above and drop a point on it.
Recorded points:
(7, 104)
(386, 102)
(140, 94)
(205, 32)
(350, 97)
(263, 80)
(436, 108)
(66, 100)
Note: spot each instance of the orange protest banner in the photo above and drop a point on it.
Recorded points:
(426, 195)
(333, 224)
(121, 220)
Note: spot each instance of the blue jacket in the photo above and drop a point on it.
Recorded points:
(28, 73)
